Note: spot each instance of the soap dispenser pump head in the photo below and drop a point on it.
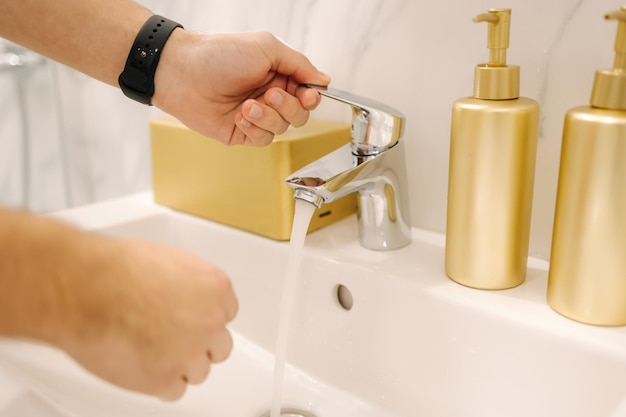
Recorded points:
(495, 80)
(609, 87)
(497, 35)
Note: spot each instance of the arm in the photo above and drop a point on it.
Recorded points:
(144, 316)
(92, 36)
(240, 88)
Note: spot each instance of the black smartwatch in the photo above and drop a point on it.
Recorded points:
(137, 79)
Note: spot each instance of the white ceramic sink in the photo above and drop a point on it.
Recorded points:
(413, 344)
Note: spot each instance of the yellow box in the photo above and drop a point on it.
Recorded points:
(242, 186)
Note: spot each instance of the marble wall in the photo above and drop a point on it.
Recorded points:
(416, 55)
(31, 172)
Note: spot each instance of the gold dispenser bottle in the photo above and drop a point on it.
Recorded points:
(587, 278)
(493, 145)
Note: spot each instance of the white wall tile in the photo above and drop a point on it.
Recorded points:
(417, 56)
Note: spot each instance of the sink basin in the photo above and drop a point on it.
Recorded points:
(413, 343)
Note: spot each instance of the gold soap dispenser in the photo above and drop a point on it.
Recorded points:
(587, 278)
(493, 144)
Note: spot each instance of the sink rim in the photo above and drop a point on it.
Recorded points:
(337, 247)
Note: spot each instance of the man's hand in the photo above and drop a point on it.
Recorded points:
(238, 88)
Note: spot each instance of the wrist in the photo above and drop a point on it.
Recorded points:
(74, 268)
(137, 79)
(90, 289)
(173, 69)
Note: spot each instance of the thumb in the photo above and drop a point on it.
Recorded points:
(295, 65)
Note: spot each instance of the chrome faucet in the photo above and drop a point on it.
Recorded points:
(372, 165)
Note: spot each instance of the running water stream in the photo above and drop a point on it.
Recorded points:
(302, 217)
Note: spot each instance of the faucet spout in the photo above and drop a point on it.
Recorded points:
(381, 184)
(329, 178)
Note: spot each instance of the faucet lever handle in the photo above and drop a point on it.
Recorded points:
(376, 127)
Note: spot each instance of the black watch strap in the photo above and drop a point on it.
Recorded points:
(137, 79)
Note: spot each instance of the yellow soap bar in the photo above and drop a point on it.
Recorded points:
(242, 186)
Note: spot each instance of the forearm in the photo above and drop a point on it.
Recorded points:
(41, 261)
(92, 36)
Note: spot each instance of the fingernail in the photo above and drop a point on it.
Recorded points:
(275, 98)
(255, 111)
(243, 122)
(309, 100)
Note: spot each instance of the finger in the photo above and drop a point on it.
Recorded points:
(309, 97)
(231, 307)
(198, 372)
(263, 116)
(229, 299)
(289, 107)
(247, 133)
(174, 391)
(220, 346)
